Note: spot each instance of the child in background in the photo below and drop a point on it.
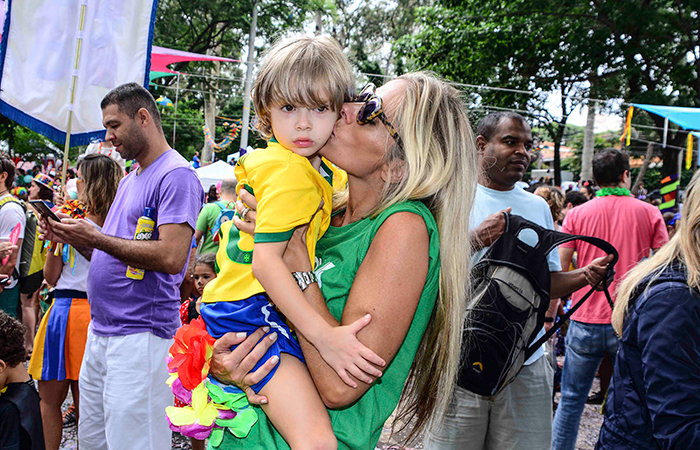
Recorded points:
(20, 414)
(204, 271)
(298, 94)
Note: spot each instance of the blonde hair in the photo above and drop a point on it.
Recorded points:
(302, 71)
(555, 199)
(439, 166)
(684, 247)
(101, 175)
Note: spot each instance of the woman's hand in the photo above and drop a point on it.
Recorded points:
(234, 367)
(246, 200)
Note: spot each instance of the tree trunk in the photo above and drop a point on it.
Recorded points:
(643, 169)
(210, 110)
(588, 144)
(318, 18)
(210, 122)
(557, 145)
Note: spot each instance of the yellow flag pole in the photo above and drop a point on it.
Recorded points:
(79, 45)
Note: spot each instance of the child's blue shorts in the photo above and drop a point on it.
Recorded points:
(247, 316)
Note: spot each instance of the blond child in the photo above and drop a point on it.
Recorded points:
(299, 91)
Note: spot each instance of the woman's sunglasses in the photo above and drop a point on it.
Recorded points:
(373, 109)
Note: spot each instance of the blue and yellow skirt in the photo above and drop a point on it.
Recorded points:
(60, 342)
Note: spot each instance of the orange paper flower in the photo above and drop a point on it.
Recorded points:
(191, 354)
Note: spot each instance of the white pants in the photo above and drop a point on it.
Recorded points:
(123, 394)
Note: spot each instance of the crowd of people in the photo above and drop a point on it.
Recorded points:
(325, 288)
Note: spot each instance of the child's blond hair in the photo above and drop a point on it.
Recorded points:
(302, 71)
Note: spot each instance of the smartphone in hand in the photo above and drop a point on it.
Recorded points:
(43, 208)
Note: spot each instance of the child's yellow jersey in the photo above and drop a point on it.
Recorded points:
(289, 191)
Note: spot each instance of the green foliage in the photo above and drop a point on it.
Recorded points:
(644, 52)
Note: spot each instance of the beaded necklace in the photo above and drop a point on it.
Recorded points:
(619, 191)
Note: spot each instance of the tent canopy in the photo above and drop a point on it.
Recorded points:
(688, 118)
(215, 173)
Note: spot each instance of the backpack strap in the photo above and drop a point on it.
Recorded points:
(538, 343)
(11, 199)
(549, 240)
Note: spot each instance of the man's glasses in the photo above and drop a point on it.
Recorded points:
(373, 109)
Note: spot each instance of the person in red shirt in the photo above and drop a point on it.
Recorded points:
(635, 228)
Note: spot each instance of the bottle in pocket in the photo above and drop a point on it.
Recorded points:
(144, 232)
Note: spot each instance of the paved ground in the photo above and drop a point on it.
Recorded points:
(587, 437)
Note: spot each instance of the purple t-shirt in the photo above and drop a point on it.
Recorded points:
(119, 305)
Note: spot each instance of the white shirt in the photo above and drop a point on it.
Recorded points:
(529, 206)
(10, 215)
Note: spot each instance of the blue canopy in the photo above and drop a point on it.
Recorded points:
(687, 118)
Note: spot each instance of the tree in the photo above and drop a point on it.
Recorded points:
(221, 28)
(644, 51)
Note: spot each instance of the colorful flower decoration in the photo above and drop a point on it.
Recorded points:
(76, 210)
(191, 354)
(210, 407)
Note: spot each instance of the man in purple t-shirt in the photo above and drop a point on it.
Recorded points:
(123, 390)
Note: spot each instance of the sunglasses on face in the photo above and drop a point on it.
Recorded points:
(373, 109)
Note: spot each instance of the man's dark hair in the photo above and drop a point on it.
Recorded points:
(12, 337)
(576, 198)
(131, 97)
(487, 126)
(8, 167)
(609, 166)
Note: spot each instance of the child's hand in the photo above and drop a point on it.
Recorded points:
(347, 355)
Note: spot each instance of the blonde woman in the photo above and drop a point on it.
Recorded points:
(60, 342)
(397, 247)
(654, 398)
(555, 199)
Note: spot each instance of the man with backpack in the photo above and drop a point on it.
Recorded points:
(520, 415)
(635, 228)
(12, 215)
(213, 215)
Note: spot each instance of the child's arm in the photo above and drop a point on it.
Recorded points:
(338, 346)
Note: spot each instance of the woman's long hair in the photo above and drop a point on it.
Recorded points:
(684, 248)
(101, 175)
(439, 165)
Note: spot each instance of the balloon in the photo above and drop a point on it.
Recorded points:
(28, 179)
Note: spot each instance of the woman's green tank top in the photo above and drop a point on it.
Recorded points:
(339, 254)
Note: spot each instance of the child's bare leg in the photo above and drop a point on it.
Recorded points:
(296, 409)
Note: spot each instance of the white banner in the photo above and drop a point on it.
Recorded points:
(37, 61)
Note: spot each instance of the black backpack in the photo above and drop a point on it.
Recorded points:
(510, 296)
